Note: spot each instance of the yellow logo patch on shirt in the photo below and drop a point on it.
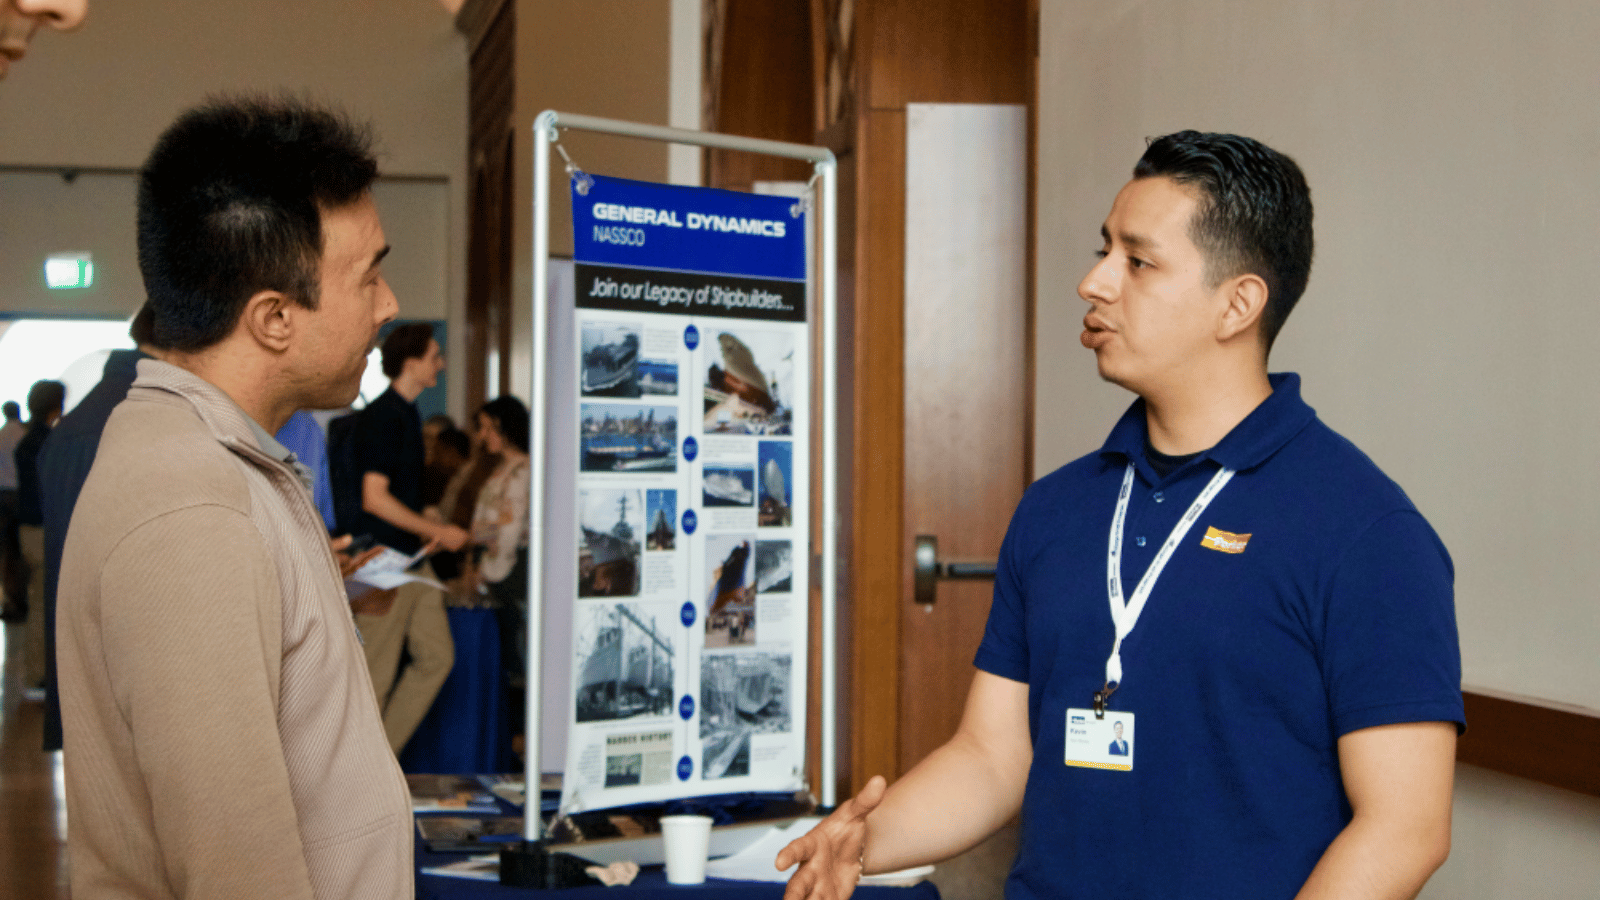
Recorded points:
(1224, 541)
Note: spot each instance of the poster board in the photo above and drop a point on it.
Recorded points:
(692, 447)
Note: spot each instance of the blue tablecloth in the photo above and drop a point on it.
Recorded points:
(650, 885)
(465, 730)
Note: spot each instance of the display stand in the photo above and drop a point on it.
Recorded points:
(547, 128)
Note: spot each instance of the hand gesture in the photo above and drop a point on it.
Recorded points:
(830, 854)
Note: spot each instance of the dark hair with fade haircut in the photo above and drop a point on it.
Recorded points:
(1254, 213)
(409, 341)
(230, 204)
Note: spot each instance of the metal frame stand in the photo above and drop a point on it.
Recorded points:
(547, 128)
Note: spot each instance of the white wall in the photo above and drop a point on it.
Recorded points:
(101, 96)
(1450, 328)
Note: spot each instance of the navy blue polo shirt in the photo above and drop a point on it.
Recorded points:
(1244, 670)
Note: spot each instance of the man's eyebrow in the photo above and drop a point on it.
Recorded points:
(1129, 239)
(378, 257)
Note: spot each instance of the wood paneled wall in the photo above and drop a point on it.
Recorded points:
(490, 27)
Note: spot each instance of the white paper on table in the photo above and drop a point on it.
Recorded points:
(757, 861)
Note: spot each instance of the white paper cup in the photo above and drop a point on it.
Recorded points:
(687, 839)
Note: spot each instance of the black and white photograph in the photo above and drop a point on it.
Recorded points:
(624, 660)
(774, 567)
(730, 601)
(627, 437)
(749, 383)
(741, 695)
(661, 511)
(610, 366)
(775, 461)
(610, 521)
(728, 485)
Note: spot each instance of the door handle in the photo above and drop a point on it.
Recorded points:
(929, 570)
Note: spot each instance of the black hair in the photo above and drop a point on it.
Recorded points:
(12, 410)
(511, 418)
(142, 328)
(44, 398)
(409, 341)
(231, 202)
(456, 440)
(1254, 212)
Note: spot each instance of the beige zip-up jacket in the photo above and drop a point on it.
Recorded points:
(222, 738)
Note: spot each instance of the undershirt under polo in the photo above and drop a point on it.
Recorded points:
(1328, 609)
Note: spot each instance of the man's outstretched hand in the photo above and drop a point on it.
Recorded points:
(830, 854)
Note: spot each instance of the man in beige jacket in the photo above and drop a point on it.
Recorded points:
(222, 739)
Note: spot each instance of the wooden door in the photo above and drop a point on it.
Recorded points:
(966, 396)
(939, 381)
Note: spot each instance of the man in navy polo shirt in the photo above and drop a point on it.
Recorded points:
(1266, 613)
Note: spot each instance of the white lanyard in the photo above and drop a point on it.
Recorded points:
(1126, 615)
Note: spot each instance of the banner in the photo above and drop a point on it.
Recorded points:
(689, 629)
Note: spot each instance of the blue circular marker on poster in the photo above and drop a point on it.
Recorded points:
(691, 448)
(691, 337)
(685, 768)
(686, 708)
(687, 614)
(690, 520)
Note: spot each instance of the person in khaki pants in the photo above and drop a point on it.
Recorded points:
(389, 454)
(411, 616)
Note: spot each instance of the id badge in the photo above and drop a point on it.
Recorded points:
(1100, 743)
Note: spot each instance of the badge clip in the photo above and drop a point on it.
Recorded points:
(1100, 698)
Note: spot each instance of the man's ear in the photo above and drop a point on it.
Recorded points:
(1245, 299)
(270, 318)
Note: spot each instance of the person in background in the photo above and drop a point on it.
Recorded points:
(500, 524)
(304, 438)
(64, 464)
(448, 453)
(13, 580)
(46, 400)
(20, 19)
(389, 456)
(221, 735)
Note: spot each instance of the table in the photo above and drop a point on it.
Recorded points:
(650, 885)
(465, 730)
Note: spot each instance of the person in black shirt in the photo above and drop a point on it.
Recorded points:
(389, 454)
(64, 463)
(45, 402)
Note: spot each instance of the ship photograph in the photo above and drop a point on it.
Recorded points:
(658, 377)
(741, 695)
(730, 601)
(774, 567)
(775, 461)
(749, 383)
(624, 437)
(609, 522)
(728, 485)
(610, 362)
(624, 663)
(661, 511)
